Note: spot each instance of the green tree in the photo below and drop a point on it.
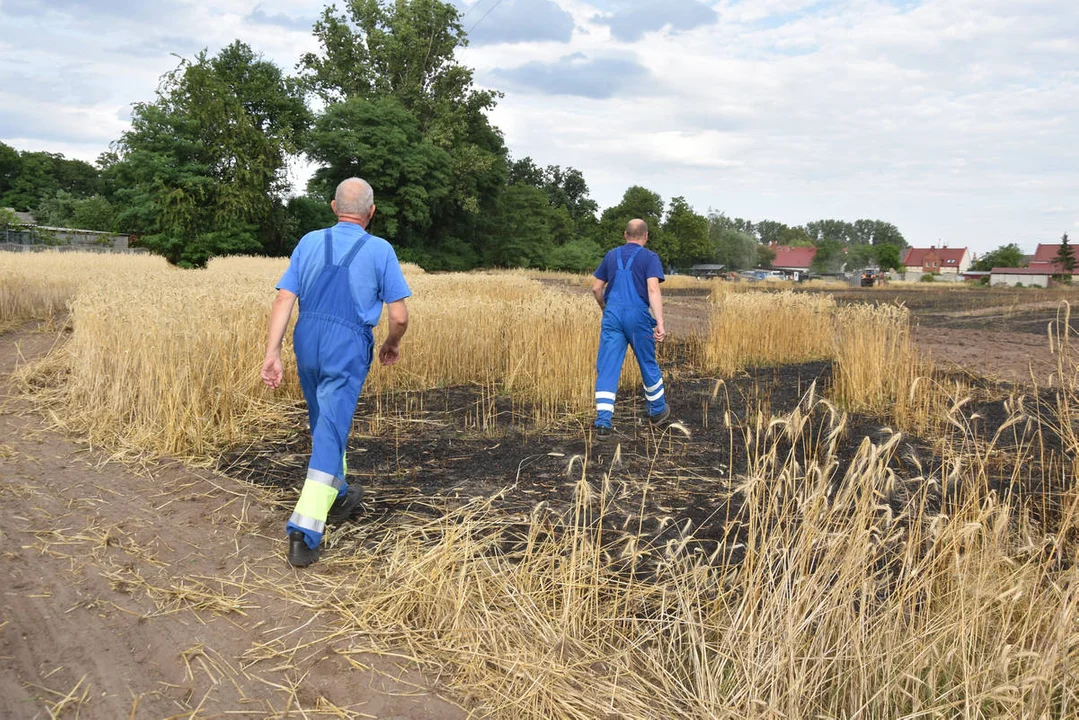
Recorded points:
(829, 258)
(770, 231)
(40, 175)
(10, 166)
(878, 232)
(765, 256)
(1065, 257)
(637, 202)
(304, 214)
(688, 232)
(565, 190)
(526, 223)
(65, 210)
(525, 172)
(580, 255)
(201, 172)
(1004, 256)
(860, 256)
(888, 257)
(796, 237)
(382, 142)
(837, 230)
(732, 246)
(405, 52)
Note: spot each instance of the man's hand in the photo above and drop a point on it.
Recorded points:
(389, 354)
(659, 333)
(272, 372)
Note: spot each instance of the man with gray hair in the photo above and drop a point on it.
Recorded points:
(342, 276)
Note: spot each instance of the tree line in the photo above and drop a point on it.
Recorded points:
(202, 171)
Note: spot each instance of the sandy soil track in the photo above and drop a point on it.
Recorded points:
(150, 592)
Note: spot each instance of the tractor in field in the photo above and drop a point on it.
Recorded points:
(871, 276)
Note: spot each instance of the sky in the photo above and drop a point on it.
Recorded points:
(956, 120)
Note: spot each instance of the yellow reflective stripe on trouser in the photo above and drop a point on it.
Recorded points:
(319, 491)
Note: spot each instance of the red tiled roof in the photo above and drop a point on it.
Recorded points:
(949, 257)
(794, 258)
(1045, 253)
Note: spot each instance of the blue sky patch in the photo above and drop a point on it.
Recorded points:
(515, 21)
(630, 22)
(596, 78)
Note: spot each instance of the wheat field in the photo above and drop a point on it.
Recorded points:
(849, 590)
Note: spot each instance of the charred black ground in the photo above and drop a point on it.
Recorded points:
(674, 492)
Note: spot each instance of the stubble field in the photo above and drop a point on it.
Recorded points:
(867, 507)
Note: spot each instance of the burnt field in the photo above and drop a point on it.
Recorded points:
(676, 493)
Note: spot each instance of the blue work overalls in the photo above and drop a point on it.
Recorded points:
(334, 349)
(626, 321)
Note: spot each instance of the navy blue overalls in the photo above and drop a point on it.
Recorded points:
(626, 321)
(334, 349)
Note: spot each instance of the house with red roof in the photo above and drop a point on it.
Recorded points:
(1045, 259)
(938, 260)
(793, 259)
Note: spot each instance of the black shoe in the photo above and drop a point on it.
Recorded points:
(602, 432)
(661, 418)
(346, 505)
(299, 555)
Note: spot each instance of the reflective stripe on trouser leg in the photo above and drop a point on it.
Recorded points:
(644, 349)
(319, 491)
(612, 352)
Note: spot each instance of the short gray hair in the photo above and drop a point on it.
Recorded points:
(636, 229)
(354, 196)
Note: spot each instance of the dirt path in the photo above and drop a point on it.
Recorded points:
(153, 592)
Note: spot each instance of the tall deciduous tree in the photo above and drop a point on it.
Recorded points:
(1004, 256)
(829, 257)
(888, 256)
(637, 202)
(10, 164)
(687, 232)
(405, 52)
(525, 233)
(382, 142)
(732, 245)
(36, 176)
(202, 170)
(65, 210)
(566, 190)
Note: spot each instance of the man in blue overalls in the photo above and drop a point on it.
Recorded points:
(626, 285)
(342, 276)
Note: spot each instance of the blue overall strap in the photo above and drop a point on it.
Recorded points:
(347, 260)
(327, 235)
(632, 257)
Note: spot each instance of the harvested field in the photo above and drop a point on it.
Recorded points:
(845, 521)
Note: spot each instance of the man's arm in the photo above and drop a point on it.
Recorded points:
(597, 291)
(272, 372)
(655, 301)
(390, 352)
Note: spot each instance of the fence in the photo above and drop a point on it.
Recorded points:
(22, 247)
(39, 236)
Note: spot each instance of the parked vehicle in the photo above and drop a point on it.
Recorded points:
(871, 276)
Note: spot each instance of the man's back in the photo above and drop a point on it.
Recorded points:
(646, 264)
(375, 274)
